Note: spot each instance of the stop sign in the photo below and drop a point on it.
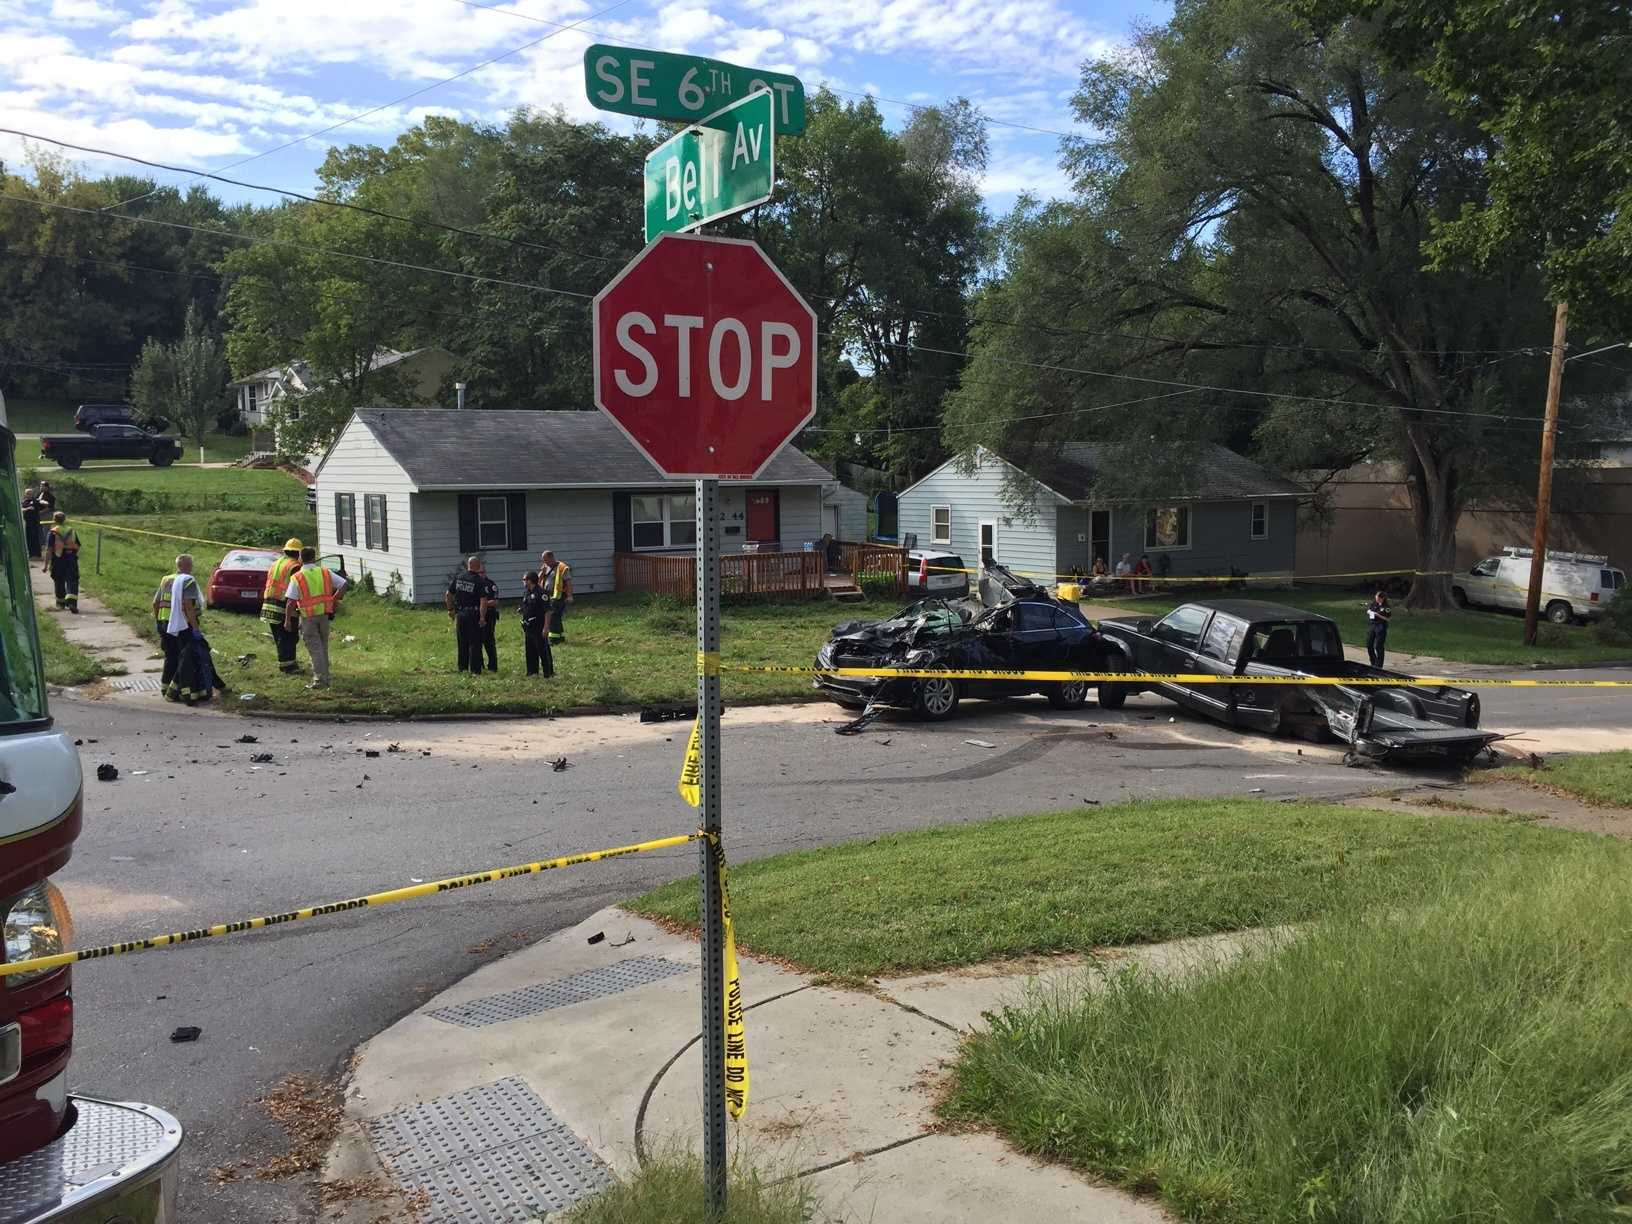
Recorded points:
(705, 356)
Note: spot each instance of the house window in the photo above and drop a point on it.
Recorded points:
(492, 523)
(374, 522)
(1167, 527)
(940, 525)
(1260, 520)
(662, 520)
(249, 400)
(345, 519)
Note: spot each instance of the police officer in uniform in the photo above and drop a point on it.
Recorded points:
(490, 641)
(535, 624)
(273, 604)
(467, 602)
(62, 562)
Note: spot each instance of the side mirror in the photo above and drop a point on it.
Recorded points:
(1145, 626)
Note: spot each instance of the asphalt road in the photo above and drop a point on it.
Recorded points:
(203, 835)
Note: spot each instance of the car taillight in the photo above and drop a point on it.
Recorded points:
(45, 444)
(47, 1027)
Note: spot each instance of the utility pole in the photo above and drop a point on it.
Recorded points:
(1544, 484)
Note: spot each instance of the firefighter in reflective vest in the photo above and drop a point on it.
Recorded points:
(273, 602)
(314, 592)
(555, 579)
(169, 643)
(62, 562)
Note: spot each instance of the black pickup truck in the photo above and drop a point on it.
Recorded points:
(1246, 639)
(110, 442)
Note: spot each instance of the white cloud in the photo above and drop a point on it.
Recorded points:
(84, 12)
(1010, 174)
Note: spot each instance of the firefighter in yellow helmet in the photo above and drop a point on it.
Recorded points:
(273, 602)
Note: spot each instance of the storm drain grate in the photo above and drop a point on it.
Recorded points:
(136, 684)
(546, 996)
(488, 1155)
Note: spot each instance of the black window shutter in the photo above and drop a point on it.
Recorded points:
(469, 540)
(518, 521)
(339, 519)
(385, 536)
(622, 533)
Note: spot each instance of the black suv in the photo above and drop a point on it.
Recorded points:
(88, 415)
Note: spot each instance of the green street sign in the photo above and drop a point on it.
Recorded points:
(683, 88)
(722, 164)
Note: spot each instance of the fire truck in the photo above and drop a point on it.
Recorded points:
(64, 1158)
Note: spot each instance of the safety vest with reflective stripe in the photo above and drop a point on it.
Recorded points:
(68, 537)
(316, 587)
(167, 586)
(553, 580)
(277, 583)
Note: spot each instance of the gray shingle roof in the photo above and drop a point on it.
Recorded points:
(444, 448)
(1219, 475)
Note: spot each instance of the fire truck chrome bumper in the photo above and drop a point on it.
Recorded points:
(117, 1161)
(11, 1052)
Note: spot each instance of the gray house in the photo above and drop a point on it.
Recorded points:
(1228, 512)
(407, 494)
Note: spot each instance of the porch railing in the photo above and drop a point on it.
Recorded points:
(779, 575)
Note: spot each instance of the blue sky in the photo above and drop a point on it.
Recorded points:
(214, 82)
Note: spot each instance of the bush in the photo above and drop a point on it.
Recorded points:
(669, 1190)
(1615, 627)
(879, 586)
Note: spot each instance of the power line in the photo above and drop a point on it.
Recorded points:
(107, 263)
(374, 110)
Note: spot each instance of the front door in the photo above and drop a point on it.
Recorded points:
(762, 526)
(1099, 537)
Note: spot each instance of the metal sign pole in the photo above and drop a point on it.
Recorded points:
(708, 717)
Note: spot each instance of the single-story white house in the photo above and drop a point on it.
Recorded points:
(406, 494)
(1226, 513)
(425, 368)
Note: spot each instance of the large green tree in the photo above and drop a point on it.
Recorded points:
(1253, 218)
(1551, 83)
(184, 382)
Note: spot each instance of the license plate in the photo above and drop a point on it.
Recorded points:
(249, 594)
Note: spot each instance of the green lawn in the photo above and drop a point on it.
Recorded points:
(99, 491)
(1073, 881)
(1463, 1056)
(623, 650)
(1463, 637)
(66, 663)
(1603, 778)
(34, 416)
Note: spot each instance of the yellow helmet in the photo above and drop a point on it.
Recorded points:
(292, 545)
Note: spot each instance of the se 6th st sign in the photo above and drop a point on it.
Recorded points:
(705, 356)
(683, 88)
(722, 165)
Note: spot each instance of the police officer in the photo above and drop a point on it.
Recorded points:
(273, 603)
(1377, 614)
(31, 523)
(62, 562)
(467, 603)
(535, 623)
(490, 641)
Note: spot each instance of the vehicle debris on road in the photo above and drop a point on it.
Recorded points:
(106, 773)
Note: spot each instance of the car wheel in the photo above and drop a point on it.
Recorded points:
(1068, 695)
(71, 462)
(1112, 696)
(1459, 597)
(1559, 612)
(164, 460)
(936, 699)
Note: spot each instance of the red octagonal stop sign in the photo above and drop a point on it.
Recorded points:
(705, 356)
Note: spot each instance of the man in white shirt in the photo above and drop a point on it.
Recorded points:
(186, 682)
(314, 592)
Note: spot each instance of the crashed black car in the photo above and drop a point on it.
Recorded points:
(1244, 638)
(1014, 625)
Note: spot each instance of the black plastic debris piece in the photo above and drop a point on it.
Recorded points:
(856, 726)
(106, 773)
(261, 758)
(247, 739)
(596, 938)
(187, 1032)
(666, 713)
(559, 764)
(371, 752)
(79, 743)
(393, 747)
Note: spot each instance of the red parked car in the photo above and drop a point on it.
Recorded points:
(238, 581)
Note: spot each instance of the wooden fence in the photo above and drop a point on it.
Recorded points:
(776, 575)
(874, 563)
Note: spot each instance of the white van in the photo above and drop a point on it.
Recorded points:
(1574, 586)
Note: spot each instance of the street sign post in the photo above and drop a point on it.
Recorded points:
(723, 164)
(705, 357)
(683, 88)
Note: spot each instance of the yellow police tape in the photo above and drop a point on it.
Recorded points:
(690, 785)
(1146, 678)
(166, 535)
(708, 662)
(736, 1033)
(371, 901)
(1117, 580)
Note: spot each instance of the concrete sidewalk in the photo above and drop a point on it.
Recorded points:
(540, 1077)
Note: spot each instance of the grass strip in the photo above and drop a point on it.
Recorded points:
(669, 1190)
(1092, 877)
(1602, 778)
(1466, 1058)
(1467, 636)
(66, 663)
